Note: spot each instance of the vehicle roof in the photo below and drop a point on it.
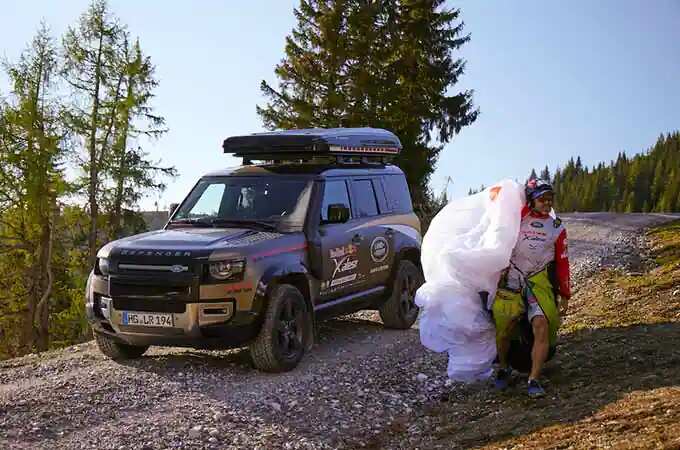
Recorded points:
(321, 170)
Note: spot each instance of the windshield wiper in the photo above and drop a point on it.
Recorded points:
(195, 222)
(245, 223)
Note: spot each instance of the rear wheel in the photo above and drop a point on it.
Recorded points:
(285, 332)
(116, 350)
(400, 310)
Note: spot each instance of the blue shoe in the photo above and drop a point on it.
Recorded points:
(534, 389)
(502, 379)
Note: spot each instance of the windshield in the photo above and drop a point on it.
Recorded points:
(241, 199)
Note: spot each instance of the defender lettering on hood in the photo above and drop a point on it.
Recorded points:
(125, 252)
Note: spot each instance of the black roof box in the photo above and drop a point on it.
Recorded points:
(314, 142)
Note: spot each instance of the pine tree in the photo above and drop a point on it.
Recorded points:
(132, 173)
(545, 174)
(32, 149)
(90, 51)
(387, 64)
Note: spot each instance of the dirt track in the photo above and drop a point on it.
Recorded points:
(361, 385)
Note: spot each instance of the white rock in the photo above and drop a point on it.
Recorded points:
(421, 377)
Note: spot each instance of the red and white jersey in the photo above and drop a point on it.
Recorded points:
(542, 239)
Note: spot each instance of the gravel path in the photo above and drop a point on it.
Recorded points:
(360, 380)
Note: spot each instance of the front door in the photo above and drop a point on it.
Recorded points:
(339, 246)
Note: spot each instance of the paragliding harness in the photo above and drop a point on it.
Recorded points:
(509, 314)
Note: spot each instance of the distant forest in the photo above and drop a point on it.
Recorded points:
(645, 182)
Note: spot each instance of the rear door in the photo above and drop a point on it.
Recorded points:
(376, 249)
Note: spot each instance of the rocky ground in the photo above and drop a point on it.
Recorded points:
(615, 378)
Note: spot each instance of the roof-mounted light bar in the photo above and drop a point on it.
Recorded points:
(369, 150)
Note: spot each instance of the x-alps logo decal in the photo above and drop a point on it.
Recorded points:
(345, 264)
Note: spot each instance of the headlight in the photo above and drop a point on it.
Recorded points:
(101, 266)
(228, 270)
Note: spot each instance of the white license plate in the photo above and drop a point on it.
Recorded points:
(146, 319)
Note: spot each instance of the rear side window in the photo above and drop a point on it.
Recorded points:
(364, 197)
(335, 192)
(398, 197)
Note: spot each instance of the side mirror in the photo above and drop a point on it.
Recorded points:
(337, 213)
(173, 207)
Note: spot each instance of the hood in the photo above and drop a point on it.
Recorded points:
(189, 241)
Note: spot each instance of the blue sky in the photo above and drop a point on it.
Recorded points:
(552, 79)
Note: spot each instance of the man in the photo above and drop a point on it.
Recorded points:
(539, 269)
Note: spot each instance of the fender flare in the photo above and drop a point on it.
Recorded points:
(410, 253)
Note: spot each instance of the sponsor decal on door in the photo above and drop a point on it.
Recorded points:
(379, 249)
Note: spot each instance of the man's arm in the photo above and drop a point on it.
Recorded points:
(562, 265)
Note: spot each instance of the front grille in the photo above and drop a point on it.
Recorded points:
(118, 289)
(167, 292)
(149, 305)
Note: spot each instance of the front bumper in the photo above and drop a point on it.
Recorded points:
(197, 322)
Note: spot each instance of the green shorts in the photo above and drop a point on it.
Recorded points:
(509, 307)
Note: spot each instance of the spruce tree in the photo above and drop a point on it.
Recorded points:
(388, 64)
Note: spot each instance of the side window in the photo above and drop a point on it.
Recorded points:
(364, 196)
(379, 188)
(334, 192)
(398, 197)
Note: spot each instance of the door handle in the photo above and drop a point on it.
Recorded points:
(389, 233)
(357, 238)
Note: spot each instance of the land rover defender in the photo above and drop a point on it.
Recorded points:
(256, 255)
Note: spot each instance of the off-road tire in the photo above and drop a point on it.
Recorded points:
(118, 351)
(399, 310)
(269, 351)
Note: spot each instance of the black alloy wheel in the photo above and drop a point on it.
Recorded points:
(286, 331)
(400, 309)
(290, 328)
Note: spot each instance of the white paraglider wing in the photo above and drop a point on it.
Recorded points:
(464, 251)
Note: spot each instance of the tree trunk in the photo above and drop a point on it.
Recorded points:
(121, 146)
(42, 310)
(92, 148)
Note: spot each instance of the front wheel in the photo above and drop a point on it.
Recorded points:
(400, 310)
(285, 332)
(116, 350)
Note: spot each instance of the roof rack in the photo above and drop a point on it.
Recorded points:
(337, 145)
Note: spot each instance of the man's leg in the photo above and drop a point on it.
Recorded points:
(539, 353)
(502, 349)
(503, 339)
(507, 309)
